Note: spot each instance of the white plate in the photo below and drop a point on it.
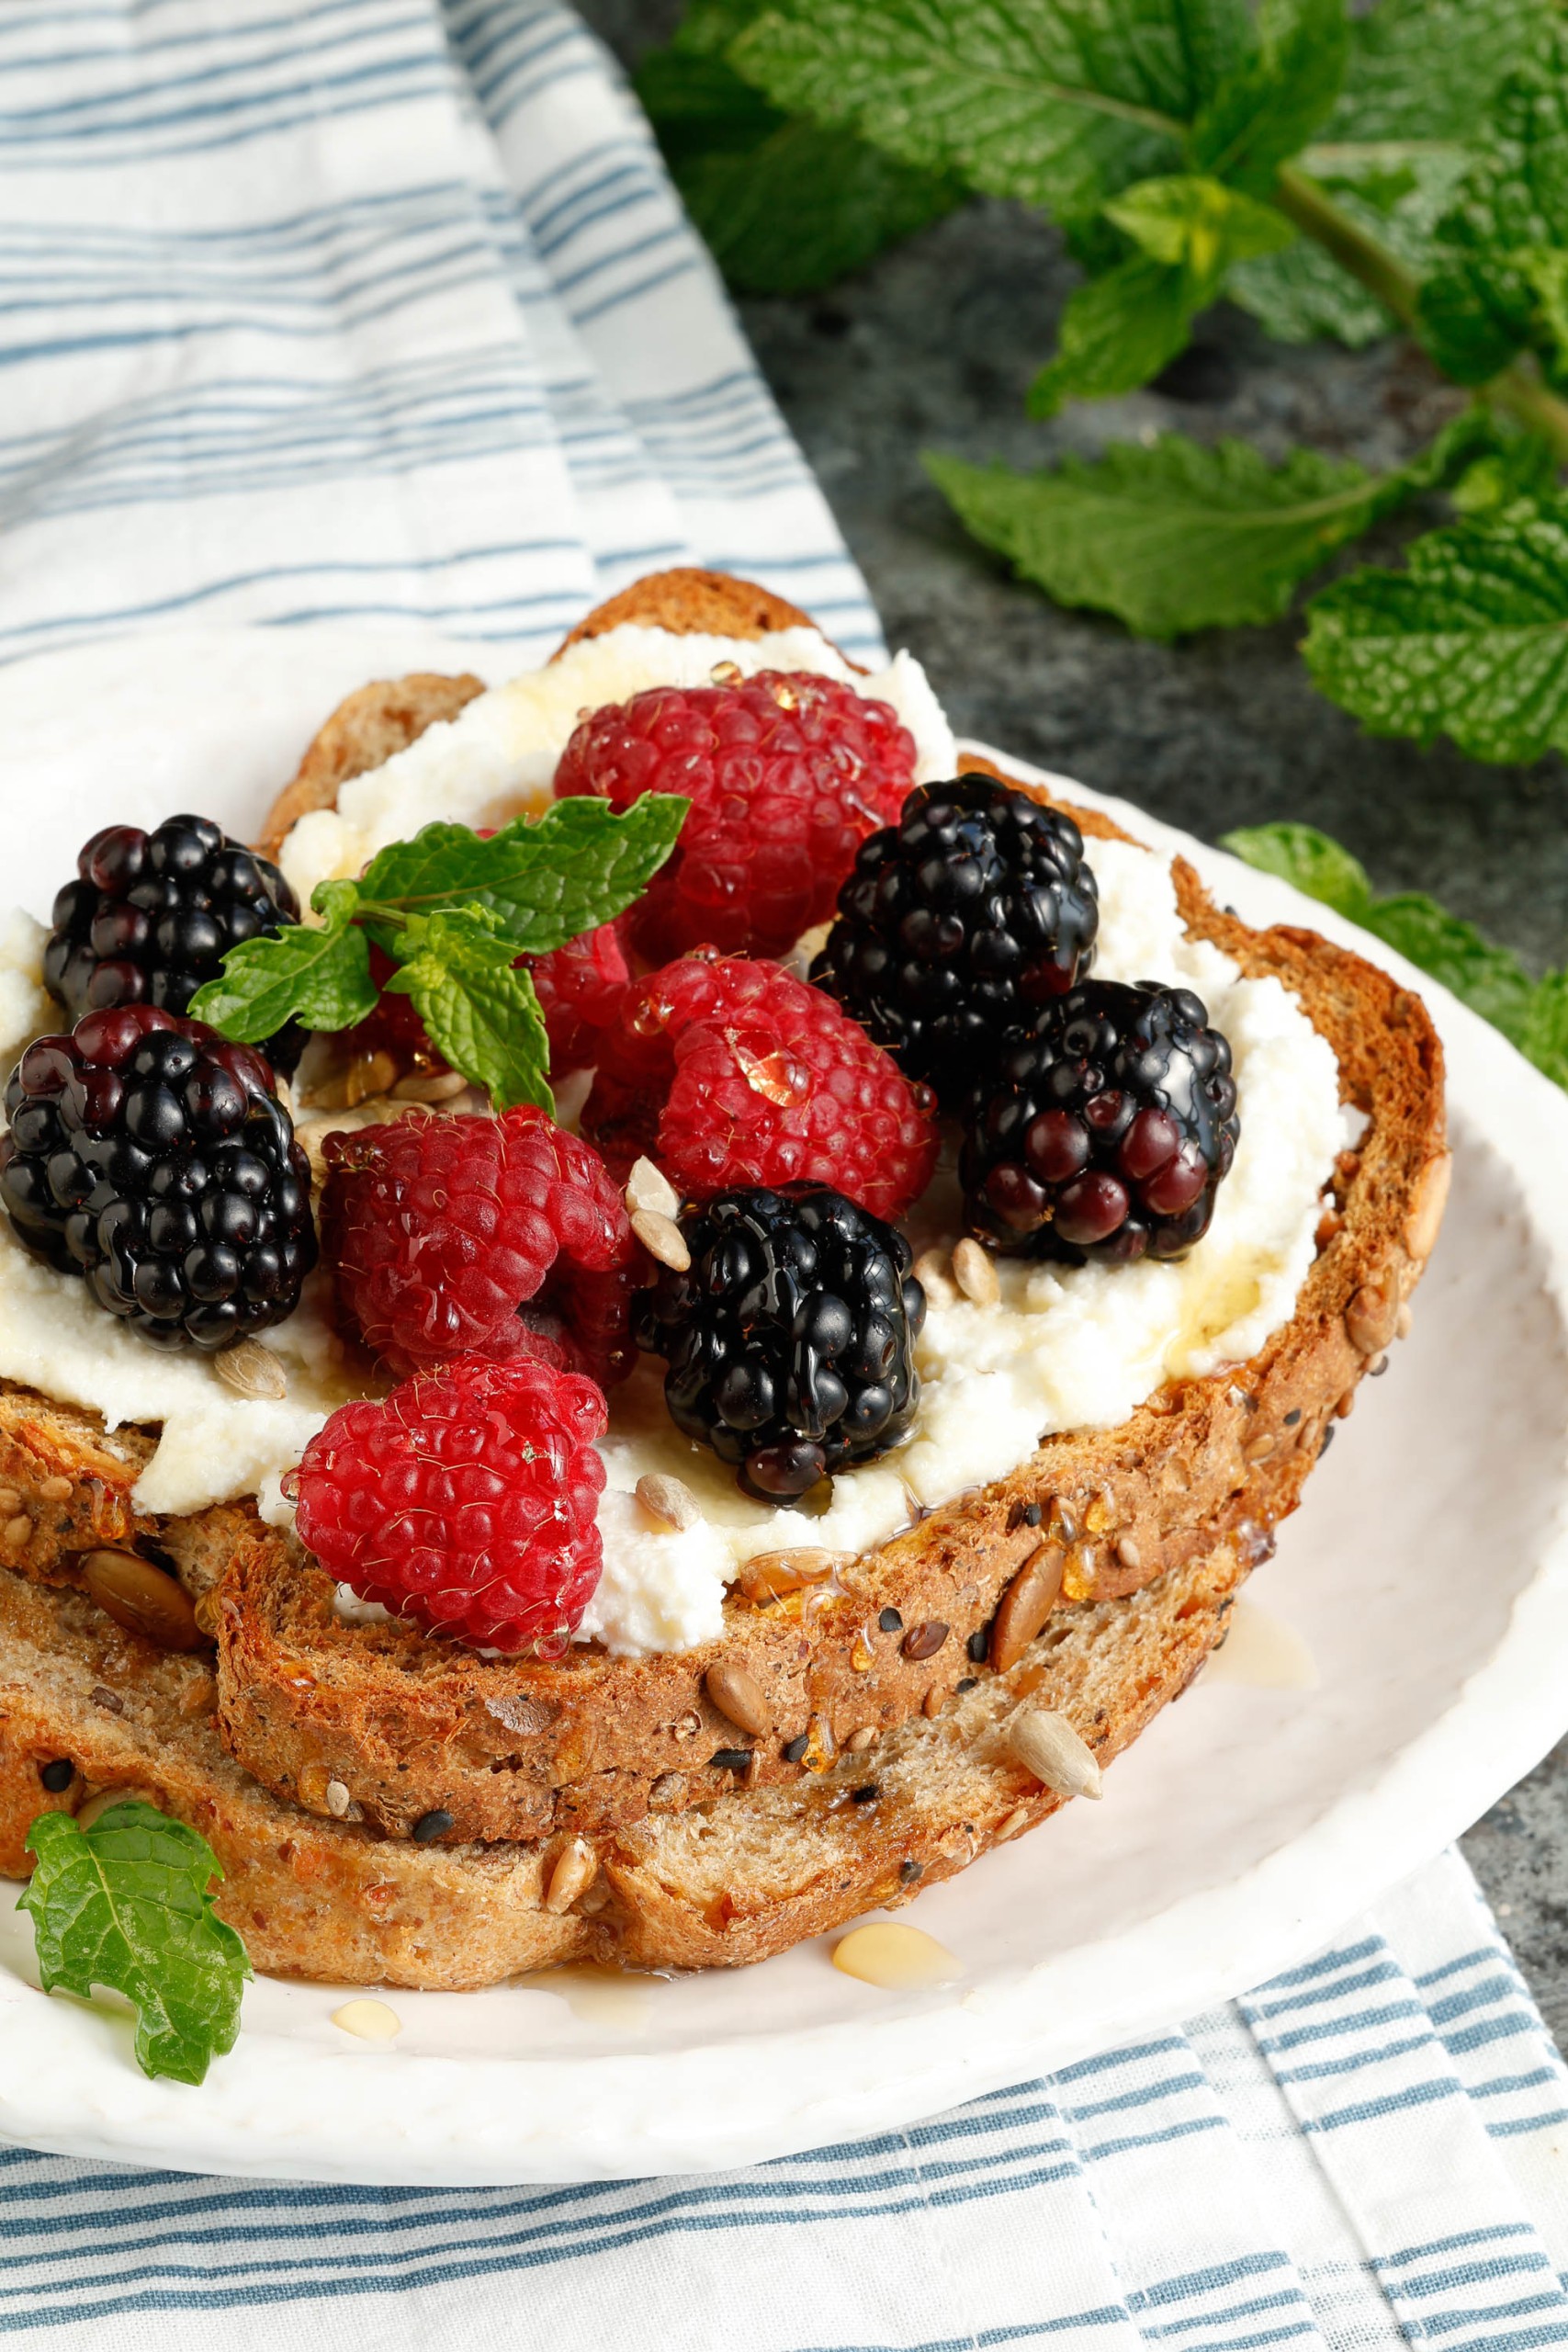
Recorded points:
(1427, 1576)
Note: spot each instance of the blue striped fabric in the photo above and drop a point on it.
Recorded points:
(366, 310)
(1368, 2152)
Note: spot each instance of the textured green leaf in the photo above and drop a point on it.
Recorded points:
(1490, 979)
(124, 1904)
(1198, 225)
(1174, 536)
(1269, 105)
(1052, 101)
(320, 975)
(1544, 1036)
(1116, 333)
(1483, 303)
(1301, 293)
(1425, 71)
(1316, 865)
(785, 205)
(546, 880)
(480, 1012)
(1471, 639)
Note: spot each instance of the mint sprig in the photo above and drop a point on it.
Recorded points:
(125, 1905)
(454, 911)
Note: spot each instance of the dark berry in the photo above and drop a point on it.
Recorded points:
(1105, 1133)
(151, 917)
(957, 924)
(152, 1158)
(790, 1338)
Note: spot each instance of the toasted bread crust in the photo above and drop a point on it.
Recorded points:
(332, 1901)
(365, 730)
(523, 1755)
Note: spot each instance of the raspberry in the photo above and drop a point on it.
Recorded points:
(498, 1238)
(730, 1073)
(151, 916)
(786, 775)
(465, 1501)
(579, 987)
(153, 1157)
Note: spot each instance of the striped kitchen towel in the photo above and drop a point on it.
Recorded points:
(1369, 2152)
(367, 310)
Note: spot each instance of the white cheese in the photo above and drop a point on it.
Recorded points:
(26, 1009)
(497, 758)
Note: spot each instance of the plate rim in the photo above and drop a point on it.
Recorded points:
(670, 2112)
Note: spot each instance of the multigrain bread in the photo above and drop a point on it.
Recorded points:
(1147, 1527)
(716, 1886)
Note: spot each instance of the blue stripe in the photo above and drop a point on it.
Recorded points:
(1374, 2110)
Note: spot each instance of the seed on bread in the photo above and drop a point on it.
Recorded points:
(18, 1530)
(1045, 1744)
(142, 1598)
(572, 1874)
(252, 1370)
(737, 1695)
(56, 1490)
(1371, 1318)
(1025, 1605)
(924, 1640)
(1427, 1203)
(337, 1800)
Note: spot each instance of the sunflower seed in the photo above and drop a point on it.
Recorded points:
(251, 1370)
(1046, 1745)
(647, 1187)
(662, 1239)
(670, 1500)
(975, 1275)
(574, 1873)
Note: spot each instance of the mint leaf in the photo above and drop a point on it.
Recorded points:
(1115, 333)
(1267, 107)
(481, 1013)
(124, 1904)
(1427, 70)
(1490, 979)
(1119, 329)
(1172, 536)
(1470, 641)
(1543, 1038)
(1484, 305)
(317, 974)
(1058, 103)
(545, 880)
(785, 205)
(1302, 293)
(1300, 855)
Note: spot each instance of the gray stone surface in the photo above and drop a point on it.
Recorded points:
(933, 347)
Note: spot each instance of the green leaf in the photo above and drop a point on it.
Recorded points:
(125, 1905)
(1116, 333)
(785, 205)
(1425, 71)
(1484, 305)
(1301, 293)
(1470, 641)
(1490, 979)
(1172, 536)
(317, 974)
(1051, 101)
(1300, 855)
(1119, 329)
(545, 880)
(1543, 1038)
(1269, 105)
(480, 1012)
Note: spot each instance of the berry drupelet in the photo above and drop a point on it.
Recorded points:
(1105, 1134)
(958, 924)
(151, 917)
(790, 1338)
(153, 1157)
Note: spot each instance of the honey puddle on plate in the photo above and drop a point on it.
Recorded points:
(598, 1995)
(1263, 1651)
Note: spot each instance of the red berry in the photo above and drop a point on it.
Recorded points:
(465, 1501)
(729, 1072)
(498, 1238)
(786, 775)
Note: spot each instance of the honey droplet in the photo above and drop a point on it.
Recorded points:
(1077, 1577)
(897, 1957)
(776, 1077)
(368, 2021)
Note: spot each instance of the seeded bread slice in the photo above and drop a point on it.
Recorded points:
(715, 1887)
(412, 1728)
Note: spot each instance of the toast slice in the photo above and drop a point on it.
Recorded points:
(615, 1755)
(710, 1887)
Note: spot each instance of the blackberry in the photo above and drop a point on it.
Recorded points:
(153, 1157)
(790, 1340)
(1105, 1134)
(151, 916)
(957, 923)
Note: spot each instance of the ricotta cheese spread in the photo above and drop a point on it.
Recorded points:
(1062, 1348)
